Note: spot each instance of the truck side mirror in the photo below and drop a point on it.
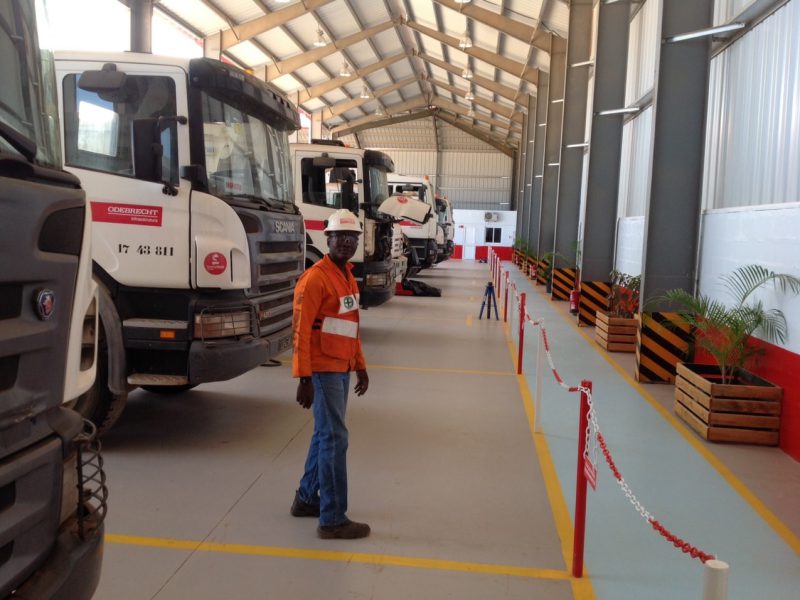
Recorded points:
(147, 150)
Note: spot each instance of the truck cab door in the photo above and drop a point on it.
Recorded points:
(140, 233)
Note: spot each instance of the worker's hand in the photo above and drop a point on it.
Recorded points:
(305, 394)
(363, 382)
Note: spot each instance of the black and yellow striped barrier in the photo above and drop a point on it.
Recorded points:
(594, 297)
(662, 341)
(541, 265)
(563, 282)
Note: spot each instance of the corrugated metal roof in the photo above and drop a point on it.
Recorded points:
(510, 42)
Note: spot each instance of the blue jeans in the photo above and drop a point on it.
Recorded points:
(326, 464)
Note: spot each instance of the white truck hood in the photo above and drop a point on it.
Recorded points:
(403, 207)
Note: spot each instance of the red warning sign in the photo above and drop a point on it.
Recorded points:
(591, 473)
(215, 263)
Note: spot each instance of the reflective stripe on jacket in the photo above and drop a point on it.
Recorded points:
(325, 321)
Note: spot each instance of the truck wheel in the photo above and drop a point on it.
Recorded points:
(168, 389)
(99, 404)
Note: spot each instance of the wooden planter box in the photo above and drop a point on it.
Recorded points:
(748, 412)
(615, 334)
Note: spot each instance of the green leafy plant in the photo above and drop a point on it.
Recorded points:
(546, 263)
(623, 300)
(723, 331)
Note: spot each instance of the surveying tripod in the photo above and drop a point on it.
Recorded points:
(489, 301)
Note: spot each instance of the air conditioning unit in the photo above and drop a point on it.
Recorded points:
(491, 216)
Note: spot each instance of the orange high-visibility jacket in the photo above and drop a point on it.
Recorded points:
(325, 321)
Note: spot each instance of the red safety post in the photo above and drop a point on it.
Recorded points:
(580, 486)
(505, 302)
(521, 332)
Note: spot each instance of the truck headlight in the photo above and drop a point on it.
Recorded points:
(220, 325)
(376, 279)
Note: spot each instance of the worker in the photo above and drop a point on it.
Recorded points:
(327, 348)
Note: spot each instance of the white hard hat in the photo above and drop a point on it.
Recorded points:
(343, 220)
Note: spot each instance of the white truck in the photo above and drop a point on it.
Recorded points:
(196, 243)
(52, 485)
(423, 238)
(444, 213)
(330, 176)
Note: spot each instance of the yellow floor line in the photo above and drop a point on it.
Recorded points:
(757, 505)
(581, 588)
(431, 370)
(330, 555)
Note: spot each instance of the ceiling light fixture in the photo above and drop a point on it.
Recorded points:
(462, 1)
(469, 95)
(379, 112)
(466, 41)
(364, 92)
(467, 73)
(345, 70)
(471, 113)
(320, 41)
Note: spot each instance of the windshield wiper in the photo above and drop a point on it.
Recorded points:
(18, 141)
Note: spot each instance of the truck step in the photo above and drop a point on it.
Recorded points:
(154, 379)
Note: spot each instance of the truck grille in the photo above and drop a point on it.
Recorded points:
(277, 243)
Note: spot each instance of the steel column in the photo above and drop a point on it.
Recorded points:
(599, 226)
(534, 185)
(141, 25)
(673, 213)
(570, 173)
(552, 152)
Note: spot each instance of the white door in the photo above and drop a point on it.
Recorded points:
(469, 242)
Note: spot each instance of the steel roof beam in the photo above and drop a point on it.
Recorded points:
(508, 113)
(455, 108)
(517, 69)
(315, 91)
(498, 88)
(250, 29)
(477, 133)
(400, 107)
(342, 107)
(530, 35)
(311, 56)
(340, 132)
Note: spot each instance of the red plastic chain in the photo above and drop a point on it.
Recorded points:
(683, 546)
(611, 465)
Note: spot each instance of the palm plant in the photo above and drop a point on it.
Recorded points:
(723, 330)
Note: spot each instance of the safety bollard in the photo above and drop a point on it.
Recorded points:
(505, 302)
(715, 580)
(537, 401)
(521, 332)
(580, 486)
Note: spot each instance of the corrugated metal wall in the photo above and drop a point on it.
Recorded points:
(725, 10)
(471, 180)
(753, 126)
(637, 131)
(477, 180)
(642, 50)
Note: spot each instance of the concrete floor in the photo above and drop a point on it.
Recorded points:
(464, 500)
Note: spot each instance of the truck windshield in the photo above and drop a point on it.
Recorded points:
(378, 188)
(28, 125)
(245, 156)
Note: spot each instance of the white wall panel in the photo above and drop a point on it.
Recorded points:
(630, 242)
(643, 44)
(634, 174)
(769, 236)
(753, 127)
(725, 10)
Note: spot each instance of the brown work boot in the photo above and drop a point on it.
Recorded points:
(349, 530)
(303, 509)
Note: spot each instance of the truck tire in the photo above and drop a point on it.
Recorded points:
(99, 404)
(168, 389)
